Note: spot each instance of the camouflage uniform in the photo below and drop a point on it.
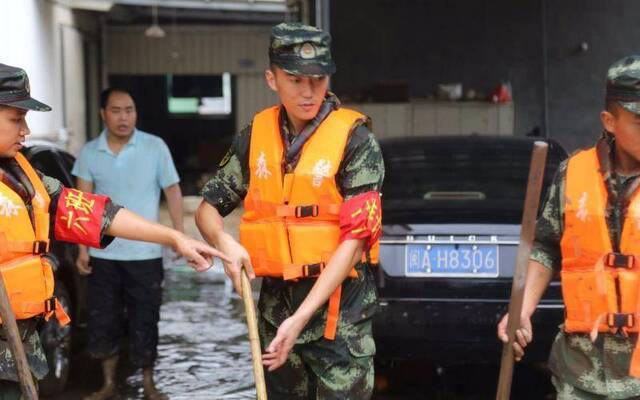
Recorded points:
(316, 368)
(35, 353)
(584, 369)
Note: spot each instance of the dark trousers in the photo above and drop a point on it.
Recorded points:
(116, 286)
(10, 390)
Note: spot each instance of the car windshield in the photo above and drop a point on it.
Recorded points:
(460, 179)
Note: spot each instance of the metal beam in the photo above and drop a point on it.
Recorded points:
(322, 15)
(271, 6)
(92, 5)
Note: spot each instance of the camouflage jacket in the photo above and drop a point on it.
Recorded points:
(361, 170)
(32, 346)
(599, 367)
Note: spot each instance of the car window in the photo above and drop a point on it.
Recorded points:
(50, 163)
(459, 179)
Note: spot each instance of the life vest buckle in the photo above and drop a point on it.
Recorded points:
(40, 247)
(309, 270)
(621, 320)
(307, 211)
(50, 304)
(619, 260)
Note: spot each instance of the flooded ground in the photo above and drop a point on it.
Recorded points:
(204, 353)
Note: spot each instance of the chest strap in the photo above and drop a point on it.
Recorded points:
(25, 246)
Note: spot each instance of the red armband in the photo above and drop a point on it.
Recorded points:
(361, 218)
(79, 217)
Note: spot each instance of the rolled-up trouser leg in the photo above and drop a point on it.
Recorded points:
(105, 308)
(143, 297)
(565, 391)
(10, 390)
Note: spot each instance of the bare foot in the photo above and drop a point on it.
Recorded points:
(108, 392)
(150, 391)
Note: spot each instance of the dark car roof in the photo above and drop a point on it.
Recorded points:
(52, 161)
(459, 179)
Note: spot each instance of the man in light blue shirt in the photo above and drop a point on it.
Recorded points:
(132, 167)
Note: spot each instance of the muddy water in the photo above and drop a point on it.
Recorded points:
(203, 351)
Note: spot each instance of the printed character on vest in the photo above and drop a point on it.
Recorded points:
(309, 172)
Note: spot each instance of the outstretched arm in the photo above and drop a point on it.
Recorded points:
(82, 263)
(128, 225)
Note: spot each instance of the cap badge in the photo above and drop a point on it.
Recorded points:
(307, 51)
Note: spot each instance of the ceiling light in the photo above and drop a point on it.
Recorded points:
(155, 31)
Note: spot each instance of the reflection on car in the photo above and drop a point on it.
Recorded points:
(452, 208)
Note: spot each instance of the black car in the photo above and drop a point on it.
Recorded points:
(452, 208)
(69, 286)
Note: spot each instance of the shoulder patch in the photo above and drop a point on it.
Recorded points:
(225, 160)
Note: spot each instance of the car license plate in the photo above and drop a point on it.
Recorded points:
(451, 260)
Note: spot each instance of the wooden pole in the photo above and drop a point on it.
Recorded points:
(527, 234)
(15, 345)
(254, 338)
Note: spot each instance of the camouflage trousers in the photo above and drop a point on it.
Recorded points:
(566, 391)
(324, 369)
(10, 390)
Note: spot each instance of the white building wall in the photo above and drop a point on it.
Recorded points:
(31, 40)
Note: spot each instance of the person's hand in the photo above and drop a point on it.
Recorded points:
(279, 348)
(198, 254)
(238, 257)
(524, 335)
(82, 262)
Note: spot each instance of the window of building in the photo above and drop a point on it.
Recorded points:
(200, 95)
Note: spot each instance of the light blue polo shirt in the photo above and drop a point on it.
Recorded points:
(132, 178)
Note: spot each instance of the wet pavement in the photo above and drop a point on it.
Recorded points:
(203, 351)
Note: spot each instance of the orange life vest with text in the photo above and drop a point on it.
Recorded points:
(24, 241)
(599, 286)
(290, 225)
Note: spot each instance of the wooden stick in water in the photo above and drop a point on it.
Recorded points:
(254, 338)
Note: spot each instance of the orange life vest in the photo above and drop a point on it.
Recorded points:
(599, 287)
(27, 274)
(290, 225)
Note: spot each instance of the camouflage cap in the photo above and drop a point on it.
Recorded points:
(301, 49)
(15, 90)
(623, 83)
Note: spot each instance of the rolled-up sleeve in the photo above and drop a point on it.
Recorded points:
(230, 183)
(362, 167)
(546, 246)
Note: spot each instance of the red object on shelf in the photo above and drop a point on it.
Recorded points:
(501, 94)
